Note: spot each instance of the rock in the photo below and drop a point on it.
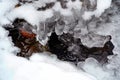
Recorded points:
(67, 48)
(24, 39)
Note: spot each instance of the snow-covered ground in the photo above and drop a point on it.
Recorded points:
(40, 66)
(48, 67)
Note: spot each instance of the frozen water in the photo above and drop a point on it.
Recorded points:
(66, 20)
(91, 21)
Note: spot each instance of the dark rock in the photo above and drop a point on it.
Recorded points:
(25, 39)
(68, 48)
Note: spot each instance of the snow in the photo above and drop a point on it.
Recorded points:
(4, 9)
(101, 73)
(38, 67)
(30, 14)
(46, 66)
(74, 5)
(65, 12)
(102, 5)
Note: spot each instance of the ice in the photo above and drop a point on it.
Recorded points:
(100, 73)
(102, 5)
(72, 17)
(92, 24)
(111, 70)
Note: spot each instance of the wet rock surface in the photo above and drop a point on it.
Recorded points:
(65, 46)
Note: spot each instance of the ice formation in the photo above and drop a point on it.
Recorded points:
(65, 16)
(90, 20)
